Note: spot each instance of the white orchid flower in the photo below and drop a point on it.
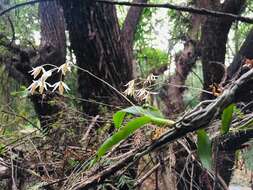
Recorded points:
(38, 83)
(130, 88)
(33, 86)
(46, 74)
(36, 71)
(64, 68)
(43, 85)
(142, 94)
(61, 87)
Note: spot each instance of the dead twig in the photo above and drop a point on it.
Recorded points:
(92, 124)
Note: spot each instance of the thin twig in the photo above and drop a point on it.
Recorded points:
(13, 31)
(150, 172)
(40, 159)
(21, 5)
(13, 178)
(194, 10)
(92, 124)
(24, 118)
(106, 83)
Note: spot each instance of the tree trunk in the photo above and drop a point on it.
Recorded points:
(214, 39)
(52, 51)
(130, 24)
(172, 94)
(95, 39)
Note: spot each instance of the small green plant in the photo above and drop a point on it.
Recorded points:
(125, 181)
(226, 118)
(145, 115)
(204, 149)
(204, 144)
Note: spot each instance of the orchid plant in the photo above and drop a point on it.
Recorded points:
(145, 92)
(41, 83)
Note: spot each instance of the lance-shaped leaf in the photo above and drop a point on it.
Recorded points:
(204, 146)
(226, 118)
(123, 133)
(119, 116)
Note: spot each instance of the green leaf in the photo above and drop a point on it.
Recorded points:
(123, 133)
(135, 110)
(226, 118)
(161, 121)
(152, 111)
(23, 92)
(118, 118)
(146, 115)
(204, 148)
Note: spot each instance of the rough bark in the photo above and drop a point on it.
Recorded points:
(172, 95)
(129, 29)
(52, 51)
(214, 38)
(95, 39)
(53, 28)
(197, 20)
(131, 22)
